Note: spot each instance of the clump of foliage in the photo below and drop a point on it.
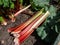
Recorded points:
(7, 3)
(50, 28)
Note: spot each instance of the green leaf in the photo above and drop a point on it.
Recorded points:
(40, 30)
(37, 4)
(44, 34)
(12, 5)
(1, 2)
(21, 1)
(52, 10)
(5, 3)
(1, 19)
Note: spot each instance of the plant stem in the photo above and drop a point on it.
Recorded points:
(21, 10)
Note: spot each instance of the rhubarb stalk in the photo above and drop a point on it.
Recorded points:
(23, 25)
(21, 10)
(13, 28)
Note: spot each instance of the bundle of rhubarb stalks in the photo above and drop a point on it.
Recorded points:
(24, 30)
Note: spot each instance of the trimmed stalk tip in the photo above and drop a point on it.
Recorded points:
(12, 17)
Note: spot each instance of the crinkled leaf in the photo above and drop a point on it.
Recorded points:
(37, 4)
(41, 32)
(52, 10)
(44, 34)
(7, 3)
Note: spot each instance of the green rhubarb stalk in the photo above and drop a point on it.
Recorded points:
(22, 26)
(12, 29)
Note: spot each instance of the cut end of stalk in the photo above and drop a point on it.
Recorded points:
(2, 42)
(16, 41)
(9, 30)
(48, 13)
(12, 17)
(4, 23)
(16, 35)
(15, 32)
(59, 43)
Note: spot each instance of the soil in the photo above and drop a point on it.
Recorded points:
(7, 39)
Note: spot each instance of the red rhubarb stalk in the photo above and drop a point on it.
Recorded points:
(21, 10)
(23, 25)
(13, 28)
(34, 26)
